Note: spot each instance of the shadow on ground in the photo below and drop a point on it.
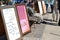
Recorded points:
(50, 22)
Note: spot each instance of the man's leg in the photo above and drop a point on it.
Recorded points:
(59, 22)
(57, 16)
(52, 8)
(46, 6)
(54, 16)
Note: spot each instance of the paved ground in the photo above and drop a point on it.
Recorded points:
(42, 31)
(47, 30)
(36, 32)
(51, 33)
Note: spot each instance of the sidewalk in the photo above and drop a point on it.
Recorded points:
(42, 31)
(49, 19)
(36, 32)
(51, 33)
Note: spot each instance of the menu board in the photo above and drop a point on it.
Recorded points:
(11, 23)
(40, 7)
(23, 18)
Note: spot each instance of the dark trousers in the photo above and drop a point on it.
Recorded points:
(59, 8)
(46, 6)
(58, 4)
(51, 7)
(59, 23)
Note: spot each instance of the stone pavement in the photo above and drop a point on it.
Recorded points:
(44, 31)
(49, 19)
(36, 32)
(51, 33)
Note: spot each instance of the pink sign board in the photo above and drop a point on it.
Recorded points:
(23, 18)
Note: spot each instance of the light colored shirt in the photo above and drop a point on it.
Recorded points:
(14, 1)
(46, 1)
(51, 2)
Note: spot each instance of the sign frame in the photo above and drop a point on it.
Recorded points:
(6, 7)
(27, 18)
